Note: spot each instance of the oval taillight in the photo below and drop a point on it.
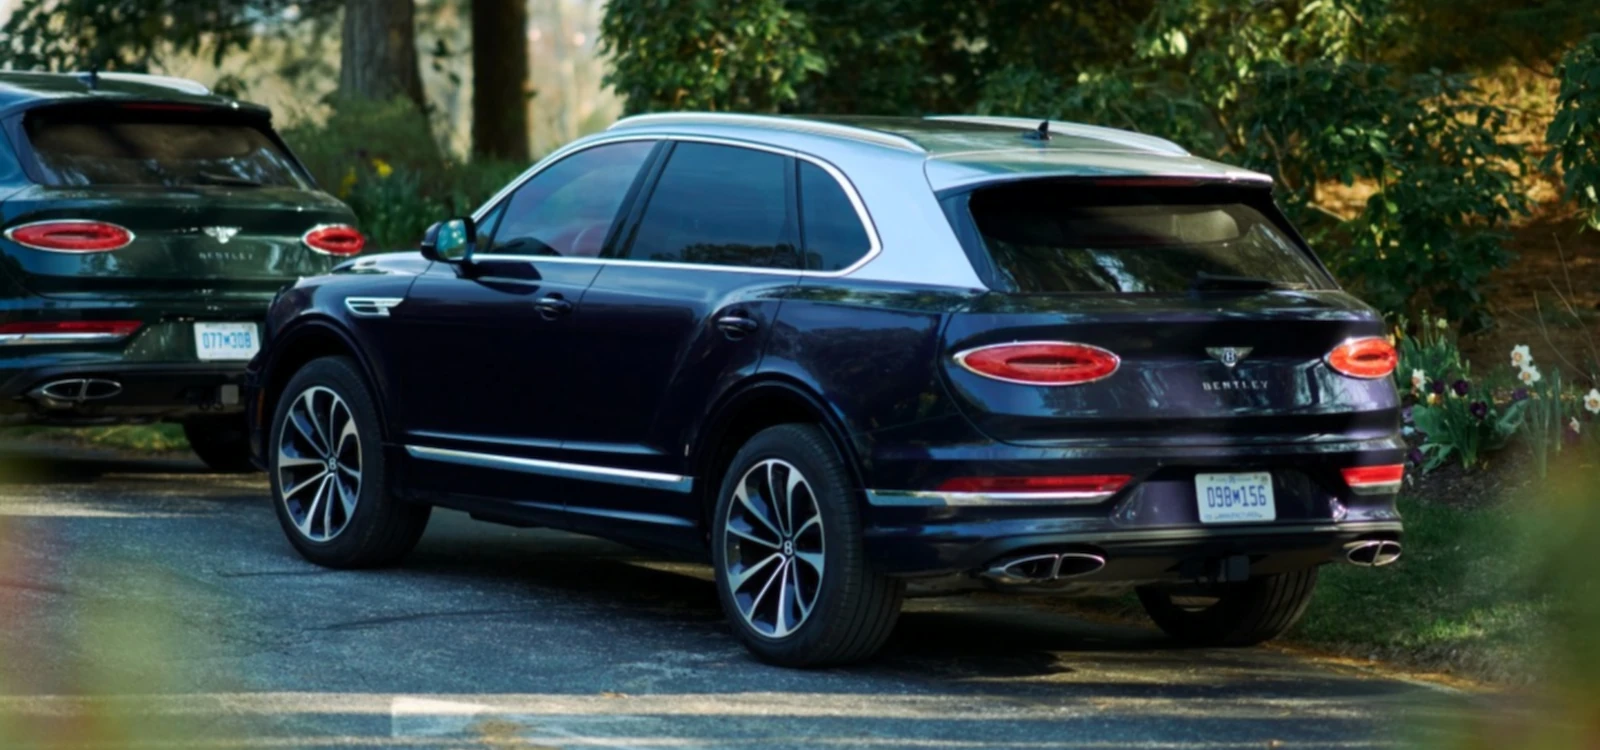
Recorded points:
(1370, 357)
(335, 239)
(1040, 362)
(71, 236)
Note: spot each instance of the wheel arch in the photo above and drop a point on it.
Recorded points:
(309, 339)
(748, 409)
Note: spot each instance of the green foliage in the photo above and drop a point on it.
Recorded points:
(132, 35)
(1465, 427)
(1430, 352)
(707, 55)
(380, 158)
(1574, 133)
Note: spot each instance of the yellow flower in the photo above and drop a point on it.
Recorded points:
(348, 183)
(1433, 399)
(1442, 324)
(382, 168)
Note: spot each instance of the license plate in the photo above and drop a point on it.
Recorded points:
(226, 341)
(1235, 498)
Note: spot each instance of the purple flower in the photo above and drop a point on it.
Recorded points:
(1415, 456)
(1520, 394)
(1461, 387)
(1437, 386)
(1405, 414)
(1478, 409)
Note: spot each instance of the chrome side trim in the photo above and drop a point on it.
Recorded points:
(630, 477)
(371, 307)
(875, 244)
(23, 339)
(796, 124)
(935, 499)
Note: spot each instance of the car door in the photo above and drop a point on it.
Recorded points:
(684, 308)
(484, 345)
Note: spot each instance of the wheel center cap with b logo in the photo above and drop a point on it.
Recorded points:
(788, 548)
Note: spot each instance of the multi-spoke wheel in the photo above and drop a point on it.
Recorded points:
(775, 542)
(791, 572)
(327, 472)
(319, 463)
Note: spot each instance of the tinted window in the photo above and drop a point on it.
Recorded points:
(128, 147)
(834, 236)
(1044, 238)
(567, 208)
(719, 205)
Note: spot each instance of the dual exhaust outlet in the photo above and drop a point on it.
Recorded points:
(1060, 566)
(70, 392)
(1372, 553)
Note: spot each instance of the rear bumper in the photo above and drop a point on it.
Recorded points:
(86, 394)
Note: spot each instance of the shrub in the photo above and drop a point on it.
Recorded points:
(1574, 132)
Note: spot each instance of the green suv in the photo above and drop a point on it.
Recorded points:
(145, 225)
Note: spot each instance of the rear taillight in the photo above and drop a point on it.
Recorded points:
(1080, 488)
(71, 236)
(335, 239)
(1375, 480)
(1371, 357)
(1040, 362)
(67, 331)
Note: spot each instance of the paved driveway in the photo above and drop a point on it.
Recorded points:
(148, 603)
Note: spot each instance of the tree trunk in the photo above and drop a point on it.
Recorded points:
(378, 51)
(500, 79)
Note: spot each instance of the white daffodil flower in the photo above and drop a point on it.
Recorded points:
(1529, 375)
(1520, 356)
(1577, 429)
(1418, 380)
(1591, 401)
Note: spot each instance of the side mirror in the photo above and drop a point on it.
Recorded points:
(450, 241)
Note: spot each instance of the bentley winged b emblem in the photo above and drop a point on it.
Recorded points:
(1228, 355)
(221, 234)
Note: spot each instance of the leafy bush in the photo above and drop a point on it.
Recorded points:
(381, 158)
(1465, 422)
(1574, 132)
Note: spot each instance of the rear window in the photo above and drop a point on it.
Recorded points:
(156, 149)
(1041, 238)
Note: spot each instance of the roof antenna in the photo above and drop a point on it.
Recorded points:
(92, 78)
(1042, 134)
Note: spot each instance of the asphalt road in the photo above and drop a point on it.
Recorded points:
(147, 603)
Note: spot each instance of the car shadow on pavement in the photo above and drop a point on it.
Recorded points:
(44, 462)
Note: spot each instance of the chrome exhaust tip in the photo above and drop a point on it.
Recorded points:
(70, 392)
(1372, 553)
(1043, 568)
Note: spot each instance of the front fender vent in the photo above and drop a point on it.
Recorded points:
(371, 307)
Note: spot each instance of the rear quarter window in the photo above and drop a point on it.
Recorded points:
(1054, 237)
(127, 147)
(833, 235)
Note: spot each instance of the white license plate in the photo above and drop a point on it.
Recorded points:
(1235, 498)
(226, 341)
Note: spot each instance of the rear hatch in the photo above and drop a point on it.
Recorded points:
(214, 202)
(1220, 318)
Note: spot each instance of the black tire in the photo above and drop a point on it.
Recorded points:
(221, 442)
(854, 608)
(381, 529)
(1244, 614)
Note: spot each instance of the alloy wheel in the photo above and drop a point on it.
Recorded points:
(319, 463)
(774, 548)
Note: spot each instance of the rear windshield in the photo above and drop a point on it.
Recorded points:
(1041, 238)
(157, 149)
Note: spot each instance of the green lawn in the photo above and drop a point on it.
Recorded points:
(152, 437)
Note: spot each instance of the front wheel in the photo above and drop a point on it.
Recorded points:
(786, 542)
(327, 472)
(1230, 614)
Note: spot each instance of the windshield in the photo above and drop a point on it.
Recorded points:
(115, 147)
(1051, 237)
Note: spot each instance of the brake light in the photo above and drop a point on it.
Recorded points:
(1375, 480)
(66, 331)
(1371, 357)
(1040, 362)
(335, 239)
(71, 236)
(1080, 487)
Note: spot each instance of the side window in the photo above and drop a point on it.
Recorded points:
(834, 235)
(720, 205)
(568, 208)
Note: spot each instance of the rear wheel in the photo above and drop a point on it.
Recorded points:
(1230, 614)
(326, 467)
(786, 541)
(221, 442)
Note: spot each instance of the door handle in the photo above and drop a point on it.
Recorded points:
(737, 325)
(552, 306)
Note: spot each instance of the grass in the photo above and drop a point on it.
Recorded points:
(1466, 597)
(142, 437)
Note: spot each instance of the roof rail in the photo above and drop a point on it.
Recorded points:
(1124, 137)
(175, 83)
(796, 124)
